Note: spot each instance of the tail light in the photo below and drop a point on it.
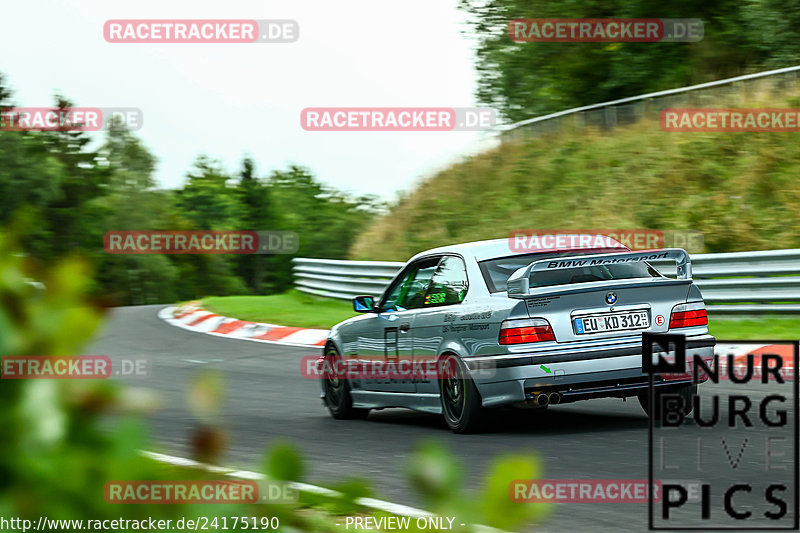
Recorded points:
(687, 315)
(525, 330)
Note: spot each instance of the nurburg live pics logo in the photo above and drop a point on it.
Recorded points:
(746, 458)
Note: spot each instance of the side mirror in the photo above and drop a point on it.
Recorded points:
(364, 304)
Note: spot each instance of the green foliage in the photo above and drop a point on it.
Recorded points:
(254, 197)
(498, 508)
(208, 198)
(63, 440)
(283, 462)
(326, 220)
(524, 80)
(61, 196)
(742, 193)
(437, 476)
(55, 455)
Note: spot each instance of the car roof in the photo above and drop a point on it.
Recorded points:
(494, 248)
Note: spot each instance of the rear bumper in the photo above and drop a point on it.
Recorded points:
(613, 371)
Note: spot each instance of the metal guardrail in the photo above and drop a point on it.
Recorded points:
(343, 279)
(747, 282)
(739, 282)
(731, 283)
(611, 114)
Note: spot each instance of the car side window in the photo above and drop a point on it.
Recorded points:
(409, 291)
(449, 283)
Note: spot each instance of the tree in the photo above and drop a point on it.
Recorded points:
(326, 221)
(60, 197)
(254, 199)
(524, 80)
(130, 204)
(208, 199)
(81, 179)
(53, 176)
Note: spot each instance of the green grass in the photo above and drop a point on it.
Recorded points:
(768, 327)
(295, 308)
(292, 308)
(740, 190)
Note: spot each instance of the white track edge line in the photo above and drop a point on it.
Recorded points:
(380, 505)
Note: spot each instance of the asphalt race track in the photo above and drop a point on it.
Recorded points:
(268, 400)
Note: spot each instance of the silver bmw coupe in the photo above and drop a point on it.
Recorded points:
(506, 328)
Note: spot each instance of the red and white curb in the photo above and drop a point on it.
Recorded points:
(194, 318)
(740, 352)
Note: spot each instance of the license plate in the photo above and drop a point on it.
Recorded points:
(612, 322)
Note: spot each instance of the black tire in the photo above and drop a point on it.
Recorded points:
(337, 393)
(685, 391)
(461, 402)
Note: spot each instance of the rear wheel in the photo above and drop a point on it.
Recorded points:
(461, 402)
(337, 391)
(686, 392)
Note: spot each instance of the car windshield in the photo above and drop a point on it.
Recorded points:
(496, 271)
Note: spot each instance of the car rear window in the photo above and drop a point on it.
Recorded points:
(497, 271)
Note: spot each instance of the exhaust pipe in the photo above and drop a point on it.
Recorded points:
(542, 399)
(554, 398)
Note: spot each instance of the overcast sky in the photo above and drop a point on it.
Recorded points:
(232, 100)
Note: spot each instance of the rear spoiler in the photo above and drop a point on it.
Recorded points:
(519, 282)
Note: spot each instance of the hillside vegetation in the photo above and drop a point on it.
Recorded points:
(742, 190)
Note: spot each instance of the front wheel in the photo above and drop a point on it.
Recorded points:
(337, 391)
(461, 402)
(686, 392)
